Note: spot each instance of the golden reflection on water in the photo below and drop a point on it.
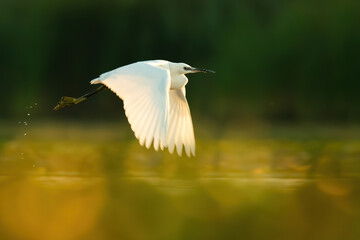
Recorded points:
(50, 207)
(69, 183)
(69, 207)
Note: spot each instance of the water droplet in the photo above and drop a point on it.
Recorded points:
(25, 134)
(19, 122)
(30, 107)
(25, 123)
(28, 114)
(35, 104)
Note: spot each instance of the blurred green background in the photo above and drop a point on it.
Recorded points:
(277, 127)
(275, 60)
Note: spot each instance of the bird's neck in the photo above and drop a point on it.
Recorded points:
(178, 81)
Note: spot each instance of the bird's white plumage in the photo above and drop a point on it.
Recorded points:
(156, 113)
(180, 128)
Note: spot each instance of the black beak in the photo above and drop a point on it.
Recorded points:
(194, 70)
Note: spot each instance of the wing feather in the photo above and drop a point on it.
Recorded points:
(138, 123)
(144, 123)
(144, 88)
(180, 130)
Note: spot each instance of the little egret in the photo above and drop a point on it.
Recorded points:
(153, 94)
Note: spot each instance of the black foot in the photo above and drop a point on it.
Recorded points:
(66, 101)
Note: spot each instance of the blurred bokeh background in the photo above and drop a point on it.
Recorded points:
(275, 60)
(277, 127)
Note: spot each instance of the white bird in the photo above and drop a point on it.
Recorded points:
(153, 93)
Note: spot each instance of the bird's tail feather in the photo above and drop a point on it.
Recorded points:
(95, 81)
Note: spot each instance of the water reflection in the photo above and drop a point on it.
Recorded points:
(73, 207)
(71, 183)
(50, 207)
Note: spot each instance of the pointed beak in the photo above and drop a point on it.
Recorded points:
(194, 70)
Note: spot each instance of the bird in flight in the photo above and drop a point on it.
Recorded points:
(153, 93)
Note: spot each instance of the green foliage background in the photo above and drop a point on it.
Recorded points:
(275, 60)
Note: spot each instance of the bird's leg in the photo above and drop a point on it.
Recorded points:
(68, 101)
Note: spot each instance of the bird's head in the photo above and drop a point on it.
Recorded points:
(183, 68)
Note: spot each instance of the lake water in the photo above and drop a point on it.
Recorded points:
(72, 207)
(89, 182)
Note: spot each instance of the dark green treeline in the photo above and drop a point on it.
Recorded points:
(275, 60)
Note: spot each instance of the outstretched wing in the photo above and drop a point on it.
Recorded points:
(144, 89)
(180, 130)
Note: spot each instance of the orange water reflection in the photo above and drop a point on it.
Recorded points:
(40, 208)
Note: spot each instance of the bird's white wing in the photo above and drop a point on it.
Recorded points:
(144, 89)
(180, 130)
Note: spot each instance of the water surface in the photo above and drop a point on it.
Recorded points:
(89, 182)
